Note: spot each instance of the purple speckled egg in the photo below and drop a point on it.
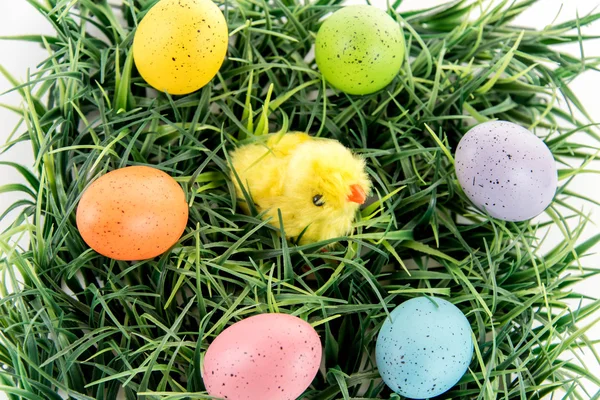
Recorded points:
(506, 170)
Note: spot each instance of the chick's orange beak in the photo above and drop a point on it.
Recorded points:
(357, 194)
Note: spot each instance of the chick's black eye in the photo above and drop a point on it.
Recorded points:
(318, 200)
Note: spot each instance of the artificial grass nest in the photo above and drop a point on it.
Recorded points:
(83, 326)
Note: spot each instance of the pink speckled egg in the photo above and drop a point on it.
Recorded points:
(264, 357)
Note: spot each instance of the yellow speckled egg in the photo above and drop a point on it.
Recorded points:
(132, 213)
(180, 45)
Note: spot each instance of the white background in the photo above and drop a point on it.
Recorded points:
(17, 17)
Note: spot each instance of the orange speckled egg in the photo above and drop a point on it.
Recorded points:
(132, 213)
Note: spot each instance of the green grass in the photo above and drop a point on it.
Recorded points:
(86, 326)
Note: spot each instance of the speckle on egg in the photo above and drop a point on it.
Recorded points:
(506, 170)
(264, 357)
(425, 348)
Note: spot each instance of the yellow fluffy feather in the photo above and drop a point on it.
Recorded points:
(318, 184)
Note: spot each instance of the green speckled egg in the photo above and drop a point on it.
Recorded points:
(359, 49)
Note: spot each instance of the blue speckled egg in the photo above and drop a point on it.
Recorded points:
(425, 348)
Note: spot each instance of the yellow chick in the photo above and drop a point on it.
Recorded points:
(318, 184)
